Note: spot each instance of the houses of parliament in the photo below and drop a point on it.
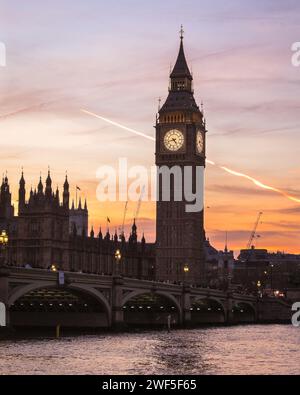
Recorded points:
(48, 230)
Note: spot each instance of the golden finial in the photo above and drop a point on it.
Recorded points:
(181, 33)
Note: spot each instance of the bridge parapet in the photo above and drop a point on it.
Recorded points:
(113, 292)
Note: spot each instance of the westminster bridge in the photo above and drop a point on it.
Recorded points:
(36, 297)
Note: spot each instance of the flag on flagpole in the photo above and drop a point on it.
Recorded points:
(108, 220)
(77, 187)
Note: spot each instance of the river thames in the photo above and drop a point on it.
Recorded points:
(257, 349)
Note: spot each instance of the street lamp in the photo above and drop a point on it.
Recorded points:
(259, 286)
(118, 257)
(53, 268)
(3, 244)
(3, 239)
(186, 271)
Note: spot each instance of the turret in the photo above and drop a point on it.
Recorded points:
(134, 232)
(57, 196)
(143, 242)
(107, 236)
(22, 193)
(40, 187)
(66, 194)
(92, 234)
(116, 236)
(48, 189)
(6, 208)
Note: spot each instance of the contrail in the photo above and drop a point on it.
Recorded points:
(232, 172)
(260, 184)
(146, 136)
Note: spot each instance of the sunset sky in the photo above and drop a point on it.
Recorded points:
(113, 58)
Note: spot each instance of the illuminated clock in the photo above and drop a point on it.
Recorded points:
(199, 142)
(174, 140)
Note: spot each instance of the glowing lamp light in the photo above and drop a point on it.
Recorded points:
(118, 255)
(53, 268)
(186, 269)
(3, 238)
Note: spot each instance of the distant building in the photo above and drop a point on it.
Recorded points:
(274, 271)
(219, 266)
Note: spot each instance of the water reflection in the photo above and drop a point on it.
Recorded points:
(266, 349)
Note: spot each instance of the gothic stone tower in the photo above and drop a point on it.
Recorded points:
(43, 226)
(180, 141)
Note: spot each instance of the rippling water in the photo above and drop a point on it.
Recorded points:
(270, 349)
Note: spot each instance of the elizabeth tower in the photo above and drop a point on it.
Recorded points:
(180, 142)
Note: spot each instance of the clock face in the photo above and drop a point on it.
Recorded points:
(174, 140)
(199, 142)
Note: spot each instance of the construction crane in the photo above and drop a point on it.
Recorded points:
(123, 223)
(137, 211)
(253, 233)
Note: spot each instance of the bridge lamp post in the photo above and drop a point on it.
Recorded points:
(186, 271)
(259, 286)
(53, 268)
(3, 245)
(118, 258)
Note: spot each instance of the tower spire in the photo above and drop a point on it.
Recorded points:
(181, 94)
(181, 68)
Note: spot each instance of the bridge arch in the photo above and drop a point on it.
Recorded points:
(208, 310)
(23, 290)
(244, 311)
(95, 294)
(166, 295)
(143, 307)
(97, 304)
(212, 298)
